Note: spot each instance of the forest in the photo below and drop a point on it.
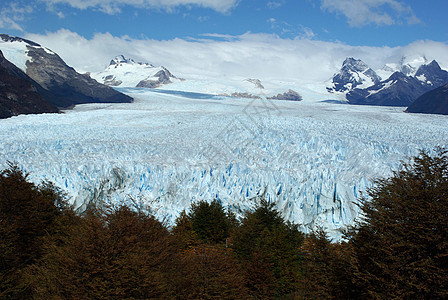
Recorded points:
(397, 249)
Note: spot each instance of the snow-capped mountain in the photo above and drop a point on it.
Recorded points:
(62, 85)
(19, 93)
(408, 81)
(431, 75)
(407, 65)
(126, 72)
(397, 90)
(353, 74)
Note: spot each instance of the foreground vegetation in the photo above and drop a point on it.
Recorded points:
(398, 249)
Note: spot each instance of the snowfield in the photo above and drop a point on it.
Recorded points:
(312, 159)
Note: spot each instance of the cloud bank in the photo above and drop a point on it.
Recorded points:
(114, 6)
(250, 55)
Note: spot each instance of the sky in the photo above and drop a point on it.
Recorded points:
(236, 37)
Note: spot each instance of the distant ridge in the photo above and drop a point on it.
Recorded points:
(433, 102)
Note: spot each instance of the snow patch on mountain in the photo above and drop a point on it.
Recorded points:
(125, 72)
(353, 74)
(16, 52)
(408, 65)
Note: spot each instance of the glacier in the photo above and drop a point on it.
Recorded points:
(166, 150)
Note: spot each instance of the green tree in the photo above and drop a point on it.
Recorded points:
(184, 237)
(401, 243)
(265, 241)
(326, 267)
(210, 221)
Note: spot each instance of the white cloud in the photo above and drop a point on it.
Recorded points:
(274, 4)
(293, 31)
(378, 12)
(203, 18)
(114, 6)
(13, 14)
(307, 33)
(250, 55)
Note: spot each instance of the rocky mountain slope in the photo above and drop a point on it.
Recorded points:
(353, 74)
(63, 86)
(362, 85)
(18, 93)
(433, 102)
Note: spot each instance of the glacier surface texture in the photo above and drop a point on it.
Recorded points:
(312, 160)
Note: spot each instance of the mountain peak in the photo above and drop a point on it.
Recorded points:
(123, 60)
(9, 38)
(355, 64)
(124, 71)
(433, 65)
(433, 102)
(431, 74)
(354, 73)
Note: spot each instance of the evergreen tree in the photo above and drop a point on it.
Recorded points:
(326, 267)
(267, 246)
(184, 237)
(210, 221)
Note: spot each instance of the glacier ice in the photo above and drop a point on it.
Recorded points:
(313, 160)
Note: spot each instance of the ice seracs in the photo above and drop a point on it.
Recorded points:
(311, 159)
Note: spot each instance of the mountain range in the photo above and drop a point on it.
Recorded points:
(361, 85)
(51, 84)
(126, 72)
(57, 84)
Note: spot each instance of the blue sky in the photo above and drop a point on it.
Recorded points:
(354, 22)
(290, 37)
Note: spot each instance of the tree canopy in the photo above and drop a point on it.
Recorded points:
(401, 242)
(398, 249)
